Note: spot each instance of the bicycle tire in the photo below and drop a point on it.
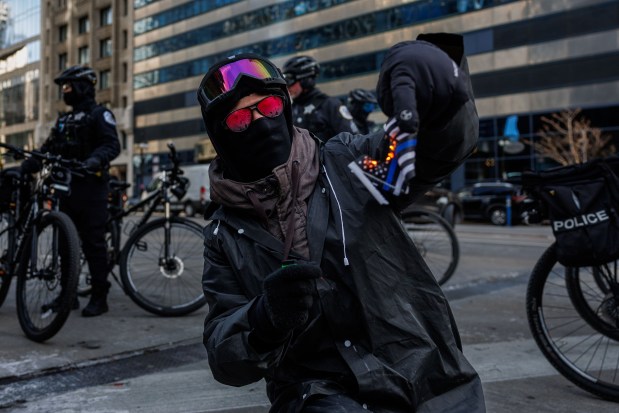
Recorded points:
(44, 298)
(5, 270)
(174, 291)
(596, 298)
(578, 351)
(435, 240)
(84, 287)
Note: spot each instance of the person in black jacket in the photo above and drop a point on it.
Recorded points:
(88, 134)
(323, 115)
(312, 285)
(425, 90)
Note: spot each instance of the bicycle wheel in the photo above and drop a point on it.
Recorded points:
(570, 342)
(47, 276)
(435, 240)
(171, 287)
(595, 295)
(84, 286)
(5, 270)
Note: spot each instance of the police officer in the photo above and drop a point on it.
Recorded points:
(361, 103)
(88, 134)
(312, 109)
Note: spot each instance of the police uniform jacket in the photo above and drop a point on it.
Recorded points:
(380, 330)
(89, 130)
(323, 115)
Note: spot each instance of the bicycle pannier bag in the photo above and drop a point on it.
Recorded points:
(582, 202)
(6, 189)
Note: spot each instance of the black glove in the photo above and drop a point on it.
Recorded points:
(29, 166)
(288, 296)
(92, 164)
(407, 120)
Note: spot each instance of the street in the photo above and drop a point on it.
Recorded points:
(129, 360)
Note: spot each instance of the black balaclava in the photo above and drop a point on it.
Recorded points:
(80, 91)
(253, 153)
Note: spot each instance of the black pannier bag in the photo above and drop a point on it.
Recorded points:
(582, 203)
(6, 190)
(11, 183)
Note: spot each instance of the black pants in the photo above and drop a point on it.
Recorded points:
(89, 217)
(335, 403)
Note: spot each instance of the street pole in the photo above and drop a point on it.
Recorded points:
(142, 176)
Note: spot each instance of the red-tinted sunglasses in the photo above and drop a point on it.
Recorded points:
(239, 120)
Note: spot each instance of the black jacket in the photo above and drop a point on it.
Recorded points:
(323, 115)
(418, 76)
(381, 330)
(89, 130)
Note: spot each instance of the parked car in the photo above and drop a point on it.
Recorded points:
(443, 202)
(488, 201)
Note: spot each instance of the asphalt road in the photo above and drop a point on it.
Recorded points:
(131, 361)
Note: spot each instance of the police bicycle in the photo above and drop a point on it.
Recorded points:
(39, 245)
(161, 262)
(573, 315)
(435, 240)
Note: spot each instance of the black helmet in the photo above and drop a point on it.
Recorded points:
(77, 73)
(232, 78)
(303, 68)
(361, 96)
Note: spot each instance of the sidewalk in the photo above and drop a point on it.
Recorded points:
(128, 331)
(118, 336)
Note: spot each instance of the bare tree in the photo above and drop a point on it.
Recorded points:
(568, 138)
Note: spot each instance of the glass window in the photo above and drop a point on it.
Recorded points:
(83, 55)
(83, 25)
(106, 16)
(62, 33)
(104, 79)
(105, 46)
(62, 61)
(125, 71)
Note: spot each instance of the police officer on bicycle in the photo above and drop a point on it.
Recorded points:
(88, 134)
(323, 115)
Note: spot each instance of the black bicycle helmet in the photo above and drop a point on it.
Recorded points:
(77, 73)
(303, 68)
(361, 96)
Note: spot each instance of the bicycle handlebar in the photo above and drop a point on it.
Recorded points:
(72, 164)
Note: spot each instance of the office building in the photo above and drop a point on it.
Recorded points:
(528, 58)
(20, 46)
(98, 34)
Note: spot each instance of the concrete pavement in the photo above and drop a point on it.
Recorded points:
(131, 361)
(123, 334)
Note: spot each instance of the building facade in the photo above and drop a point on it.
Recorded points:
(20, 45)
(528, 58)
(96, 33)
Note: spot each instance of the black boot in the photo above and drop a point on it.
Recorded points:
(98, 302)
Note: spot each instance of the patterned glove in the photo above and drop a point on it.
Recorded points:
(391, 174)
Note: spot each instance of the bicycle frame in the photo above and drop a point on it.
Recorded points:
(160, 197)
(21, 220)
